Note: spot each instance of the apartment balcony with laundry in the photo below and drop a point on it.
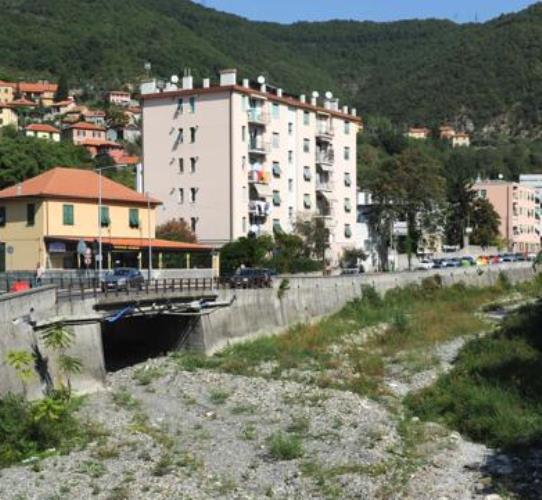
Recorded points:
(259, 210)
(258, 174)
(325, 157)
(256, 116)
(324, 182)
(324, 130)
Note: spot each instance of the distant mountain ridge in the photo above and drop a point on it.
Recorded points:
(482, 76)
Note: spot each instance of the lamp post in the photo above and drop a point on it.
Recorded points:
(149, 270)
(100, 254)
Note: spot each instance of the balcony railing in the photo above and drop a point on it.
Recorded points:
(260, 209)
(258, 117)
(325, 157)
(325, 186)
(325, 131)
(259, 147)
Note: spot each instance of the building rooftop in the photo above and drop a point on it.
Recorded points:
(137, 243)
(37, 87)
(42, 127)
(76, 184)
(250, 91)
(86, 126)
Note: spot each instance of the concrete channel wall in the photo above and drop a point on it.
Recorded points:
(261, 312)
(17, 313)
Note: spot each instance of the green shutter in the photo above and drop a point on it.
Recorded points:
(348, 231)
(276, 198)
(2, 216)
(134, 217)
(67, 215)
(276, 169)
(104, 217)
(30, 214)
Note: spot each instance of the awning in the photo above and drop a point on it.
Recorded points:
(263, 190)
(137, 243)
(328, 196)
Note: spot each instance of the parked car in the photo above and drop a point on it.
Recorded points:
(123, 278)
(508, 257)
(251, 277)
(454, 262)
(467, 261)
(483, 260)
(495, 259)
(425, 264)
(520, 257)
(438, 263)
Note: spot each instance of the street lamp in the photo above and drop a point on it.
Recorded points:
(149, 267)
(100, 255)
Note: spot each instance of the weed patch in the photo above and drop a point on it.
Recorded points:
(285, 446)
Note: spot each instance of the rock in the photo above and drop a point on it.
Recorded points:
(493, 496)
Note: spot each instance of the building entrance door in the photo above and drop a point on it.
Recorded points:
(2, 257)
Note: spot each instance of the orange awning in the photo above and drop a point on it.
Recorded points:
(138, 243)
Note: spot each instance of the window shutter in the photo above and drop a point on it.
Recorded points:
(134, 217)
(104, 217)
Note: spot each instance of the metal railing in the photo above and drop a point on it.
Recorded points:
(257, 116)
(326, 158)
(259, 147)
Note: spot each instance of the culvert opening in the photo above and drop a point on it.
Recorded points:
(129, 341)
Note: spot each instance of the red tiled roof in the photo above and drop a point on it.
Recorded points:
(66, 102)
(98, 143)
(7, 84)
(137, 243)
(94, 112)
(42, 127)
(127, 160)
(37, 87)
(73, 183)
(133, 109)
(87, 126)
(23, 102)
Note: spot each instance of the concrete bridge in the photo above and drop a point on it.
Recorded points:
(118, 329)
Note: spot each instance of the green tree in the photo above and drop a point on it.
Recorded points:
(175, 230)
(63, 90)
(248, 251)
(316, 237)
(485, 223)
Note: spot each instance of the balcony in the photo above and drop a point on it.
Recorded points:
(324, 186)
(325, 132)
(259, 209)
(258, 177)
(259, 147)
(258, 117)
(325, 159)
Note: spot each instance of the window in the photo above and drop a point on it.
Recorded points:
(245, 103)
(245, 194)
(276, 198)
(346, 153)
(192, 102)
(244, 163)
(347, 128)
(193, 224)
(67, 215)
(193, 192)
(193, 165)
(181, 165)
(307, 173)
(30, 214)
(290, 157)
(347, 231)
(276, 110)
(347, 205)
(181, 195)
(347, 179)
(244, 225)
(307, 201)
(105, 221)
(276, 169)
(180, 103)
(180, 136)
(193, 134)
(133, 217)
(291, 213)
(276, 140)
(306, 145)
(277, 228)
(306, 118)
(244, 133)
(2, 216)
(290, 128)
(291, 185)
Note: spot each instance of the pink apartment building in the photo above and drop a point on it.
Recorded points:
(516, 205)
(241, 157)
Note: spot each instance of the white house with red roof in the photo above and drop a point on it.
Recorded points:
(42, 131)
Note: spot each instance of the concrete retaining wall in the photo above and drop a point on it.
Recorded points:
(261, 312)
(17, 334)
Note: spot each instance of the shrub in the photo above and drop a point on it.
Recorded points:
(431, 283)
(285, 446)
(370, 297)
(503, 281)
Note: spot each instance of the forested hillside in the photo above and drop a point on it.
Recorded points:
(488, 76)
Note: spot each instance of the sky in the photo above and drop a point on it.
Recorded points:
(287, 11)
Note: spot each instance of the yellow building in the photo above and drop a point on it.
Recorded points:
(7, 92)
(50, 219)
(8, 116)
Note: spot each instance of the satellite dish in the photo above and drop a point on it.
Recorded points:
(315, 94)
(329, 95)
(174, 79)
(261, 79)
